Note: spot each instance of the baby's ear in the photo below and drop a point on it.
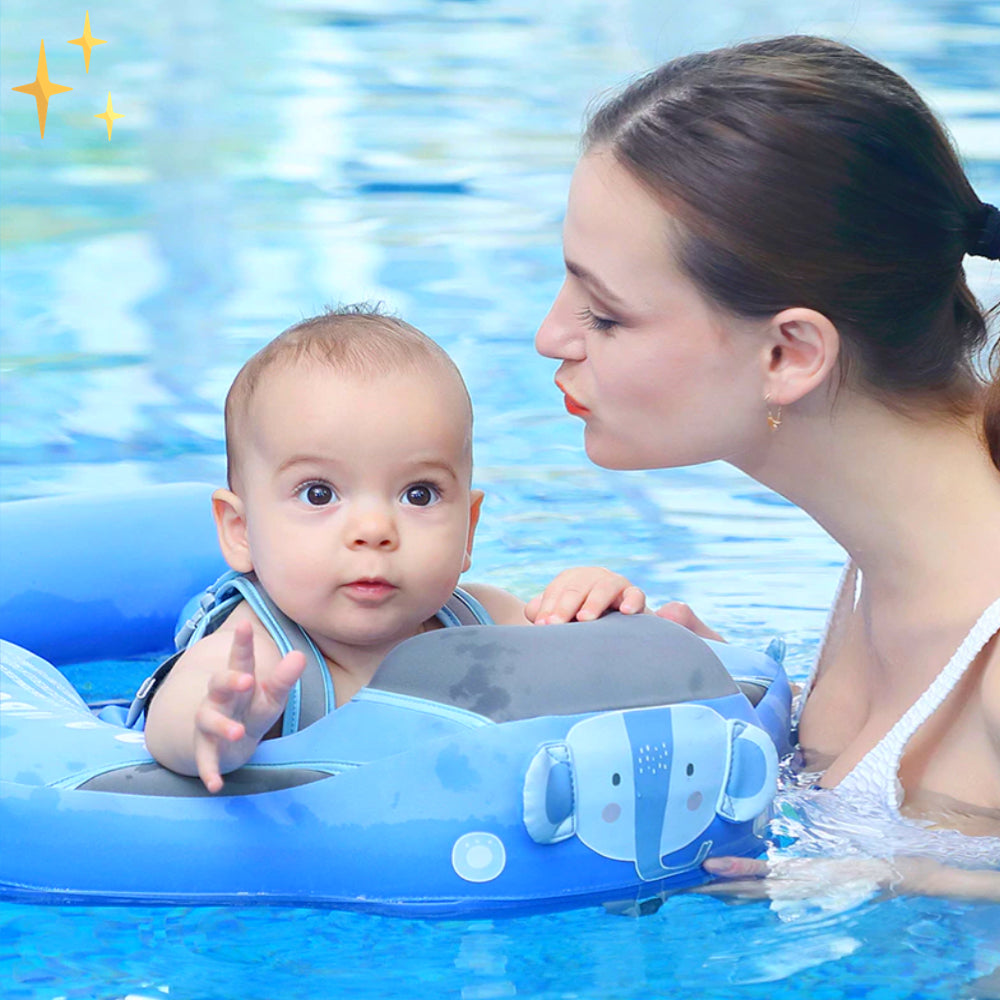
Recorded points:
(231, 525)
(475, 506)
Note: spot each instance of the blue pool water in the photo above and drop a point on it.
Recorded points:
(274, 157)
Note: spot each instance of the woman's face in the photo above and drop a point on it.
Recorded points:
(659, 375)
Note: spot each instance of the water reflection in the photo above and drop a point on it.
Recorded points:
(275, 158)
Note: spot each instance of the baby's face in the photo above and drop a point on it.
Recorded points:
(358, 506)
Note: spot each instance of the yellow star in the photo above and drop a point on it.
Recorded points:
(87, 41)
(109, 115)
(42, 89)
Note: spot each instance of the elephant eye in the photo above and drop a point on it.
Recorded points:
(690, 770)
(616, 779)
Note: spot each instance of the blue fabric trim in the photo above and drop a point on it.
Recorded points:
(263, 609)
(447, 617)
(473, 720)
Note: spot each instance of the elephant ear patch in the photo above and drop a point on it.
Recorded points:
(549, 799)
(753, 773)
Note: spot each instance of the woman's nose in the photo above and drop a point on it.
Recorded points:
(559, 336)
(373, 526)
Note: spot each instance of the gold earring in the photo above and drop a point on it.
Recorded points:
(773, 419)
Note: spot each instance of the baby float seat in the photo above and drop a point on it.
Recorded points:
(486, 769)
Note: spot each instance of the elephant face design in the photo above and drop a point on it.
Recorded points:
(643, 784)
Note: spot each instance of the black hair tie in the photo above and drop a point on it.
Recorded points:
(987, 240)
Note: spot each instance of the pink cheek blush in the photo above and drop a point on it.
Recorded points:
(695, 800)
(611, 812)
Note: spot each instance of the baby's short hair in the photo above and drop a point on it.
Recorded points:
(357, 340)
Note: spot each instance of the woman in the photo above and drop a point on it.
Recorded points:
(764, 251)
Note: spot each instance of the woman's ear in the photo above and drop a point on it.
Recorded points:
(475, 508)
(231, 525)
(802, 351)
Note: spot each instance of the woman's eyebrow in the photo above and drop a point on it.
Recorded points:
(594, 282)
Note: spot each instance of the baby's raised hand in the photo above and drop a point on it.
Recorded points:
(584, 593)
(240, 707)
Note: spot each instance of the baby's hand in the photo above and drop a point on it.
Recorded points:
(240, 707)
(584, 593)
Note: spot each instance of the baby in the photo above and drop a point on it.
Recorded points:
(349, 449)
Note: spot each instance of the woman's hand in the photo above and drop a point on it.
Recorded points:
(799, 879)
(584, 593)
(675, 611)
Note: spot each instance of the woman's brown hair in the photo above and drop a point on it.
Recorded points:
(804, 173)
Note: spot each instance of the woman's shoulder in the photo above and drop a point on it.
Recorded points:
(991, 687)
(983, 647)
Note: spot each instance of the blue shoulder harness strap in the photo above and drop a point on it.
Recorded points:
(463, 609)
(313, 695)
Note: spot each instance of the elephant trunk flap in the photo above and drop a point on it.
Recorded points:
(651, 737)
(651, 740)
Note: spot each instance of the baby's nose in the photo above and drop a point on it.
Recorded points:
(374, 527)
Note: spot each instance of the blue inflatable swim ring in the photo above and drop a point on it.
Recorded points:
(486, 769)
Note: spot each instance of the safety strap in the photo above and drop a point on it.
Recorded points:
(313, 696)
(463, 609)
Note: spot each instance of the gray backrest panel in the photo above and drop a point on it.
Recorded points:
(753, 691)
(518, 672)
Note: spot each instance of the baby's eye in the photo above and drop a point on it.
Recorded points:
(420, 495)
(317, 494)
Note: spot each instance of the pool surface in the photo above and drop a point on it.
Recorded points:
(275, 157)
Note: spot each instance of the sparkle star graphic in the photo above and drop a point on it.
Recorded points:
(109, 115)
(86, 42)
(42, 89)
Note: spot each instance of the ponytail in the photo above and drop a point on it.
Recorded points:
(991, 408)
(985, 242)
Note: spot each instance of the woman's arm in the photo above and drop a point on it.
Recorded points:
(991, 695)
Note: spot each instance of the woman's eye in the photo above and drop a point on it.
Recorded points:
(420, 495)
(594, 321)
(317, 494)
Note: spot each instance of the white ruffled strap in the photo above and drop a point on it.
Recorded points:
(880, 766)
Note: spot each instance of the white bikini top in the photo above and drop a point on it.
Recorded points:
(872, 790)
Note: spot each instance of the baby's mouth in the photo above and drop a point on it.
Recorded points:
(370, 588)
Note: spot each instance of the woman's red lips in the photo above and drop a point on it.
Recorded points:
(577, 409)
